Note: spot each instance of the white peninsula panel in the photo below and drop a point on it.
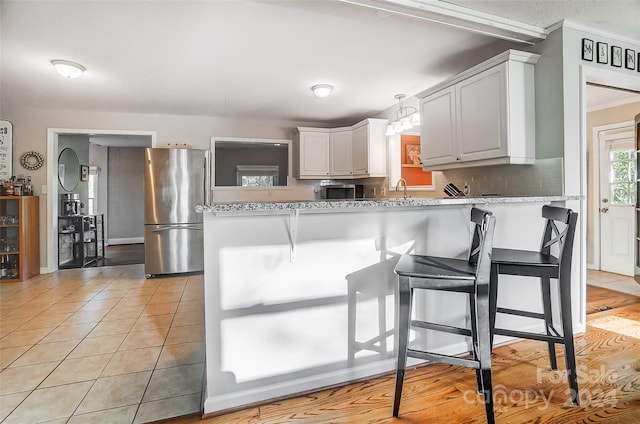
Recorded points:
(283, 279)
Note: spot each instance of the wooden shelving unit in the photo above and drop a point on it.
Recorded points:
(19, 238)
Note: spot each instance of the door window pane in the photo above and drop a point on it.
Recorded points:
(622, 177)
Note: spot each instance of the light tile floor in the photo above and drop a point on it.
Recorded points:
(101, 345)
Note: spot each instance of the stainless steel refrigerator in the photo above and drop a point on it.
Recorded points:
(176, 180)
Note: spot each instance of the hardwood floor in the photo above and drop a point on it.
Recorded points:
(526, 391)
(121, 254)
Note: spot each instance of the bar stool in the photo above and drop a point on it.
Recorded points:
(544, 265)
(469, 276)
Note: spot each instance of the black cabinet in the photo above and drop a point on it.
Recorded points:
(80, 240)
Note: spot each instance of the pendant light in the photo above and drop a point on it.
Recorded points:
(404, 119)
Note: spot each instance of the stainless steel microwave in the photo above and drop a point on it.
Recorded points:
(342, 192)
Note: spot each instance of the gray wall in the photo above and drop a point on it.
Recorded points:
(549, 97)
(125, 194)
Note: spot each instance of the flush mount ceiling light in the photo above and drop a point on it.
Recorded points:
(322, 90)
(404, 119)
(68, 69)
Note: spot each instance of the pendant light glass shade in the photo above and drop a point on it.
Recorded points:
(404, 119)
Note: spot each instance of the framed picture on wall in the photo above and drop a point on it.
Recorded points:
(84, 173)
(413, 154)
(616, 56)
(587, 49)
(630, 59)
(603, 52)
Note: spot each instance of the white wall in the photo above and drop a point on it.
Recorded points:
(575, 73)
(194, 130)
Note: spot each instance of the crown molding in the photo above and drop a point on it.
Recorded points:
(572, 25)
(459, 17)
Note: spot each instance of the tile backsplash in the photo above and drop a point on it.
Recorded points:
(544, 178)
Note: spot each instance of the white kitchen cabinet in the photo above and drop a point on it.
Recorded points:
(358, 151)
(483, 116)
(370, 148)
(438, 142)
(341, 153)
(313, 156)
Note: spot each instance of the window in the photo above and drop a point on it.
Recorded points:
(257, 175)
(251, 162)
(92, 189)
(622, 177)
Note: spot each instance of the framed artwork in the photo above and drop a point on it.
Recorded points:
(587, 49)
(616, 56)
(630, 59)
(413, 154)
(84, 173)
(603, 52)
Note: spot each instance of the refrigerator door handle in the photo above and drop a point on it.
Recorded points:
(207, 178)
(173, 227)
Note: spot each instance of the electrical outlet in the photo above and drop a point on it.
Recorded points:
(43, 189)
(383, 191)
(374, 192)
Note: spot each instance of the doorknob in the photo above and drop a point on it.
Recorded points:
(604, 210)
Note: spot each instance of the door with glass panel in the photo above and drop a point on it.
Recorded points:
(618, 192)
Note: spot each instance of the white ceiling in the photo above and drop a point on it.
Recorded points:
(253, 59)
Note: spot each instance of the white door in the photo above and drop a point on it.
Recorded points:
(617, 202)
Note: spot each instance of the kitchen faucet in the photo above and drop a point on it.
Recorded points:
(402, 181)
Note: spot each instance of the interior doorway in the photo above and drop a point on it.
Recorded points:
(51, 189)
(608, 123)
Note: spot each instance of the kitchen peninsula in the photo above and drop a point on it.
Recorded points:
(300, 295)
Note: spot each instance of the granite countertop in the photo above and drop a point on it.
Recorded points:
(345, 205)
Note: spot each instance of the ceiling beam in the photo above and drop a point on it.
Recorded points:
(459, 17)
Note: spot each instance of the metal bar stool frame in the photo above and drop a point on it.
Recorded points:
(470, 276)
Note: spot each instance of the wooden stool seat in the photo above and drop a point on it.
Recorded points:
(469, 276)
(511, 261)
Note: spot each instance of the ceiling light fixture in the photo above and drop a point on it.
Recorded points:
(322, 90)
(68, 69)
(404, 119)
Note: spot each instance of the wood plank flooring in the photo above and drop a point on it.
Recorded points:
(526, 391)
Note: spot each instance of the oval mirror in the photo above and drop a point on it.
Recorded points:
(68, 169)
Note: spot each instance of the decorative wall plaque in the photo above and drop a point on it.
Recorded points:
(6, 150)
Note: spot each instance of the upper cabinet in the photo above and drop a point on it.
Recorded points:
(348, 152)
(313, 153)
(482, 116)
(370, 148)
(341, 154)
